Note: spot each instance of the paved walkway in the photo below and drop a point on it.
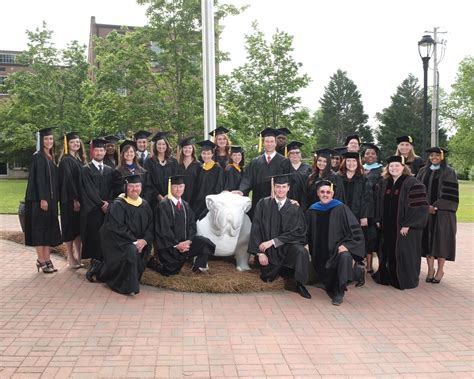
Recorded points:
(62, 326)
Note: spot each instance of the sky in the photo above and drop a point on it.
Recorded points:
(374, 41)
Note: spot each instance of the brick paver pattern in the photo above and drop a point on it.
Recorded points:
(60, 325)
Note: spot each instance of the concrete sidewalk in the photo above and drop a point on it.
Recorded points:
(61, 326)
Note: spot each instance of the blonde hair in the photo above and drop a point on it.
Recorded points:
(411, 154)
(386, 174)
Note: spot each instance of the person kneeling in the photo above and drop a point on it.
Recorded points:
(335, 239)
(126, 239)
(278, 237)
(175, 233)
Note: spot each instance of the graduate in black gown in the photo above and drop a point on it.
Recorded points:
(127, 235)
(336, 158)
(128, 165)
(278, 237)
(210, 180)
(235, 169)
(70, 171)
(159, 167)
(188, 166)
(405, 148)
(322, 170)
(41, 202)
(222, 149)
(282, 140)
(97, 180)
(256, 175)
(335, 241)
(141, 138)
(353, 143)
(299, 173)
(175, 234)
(111, 153)
(402, 214)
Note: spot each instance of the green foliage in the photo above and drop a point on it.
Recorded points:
(13, 191)
(460, 109)
(261, 93)
(341, 113)
(47, 93)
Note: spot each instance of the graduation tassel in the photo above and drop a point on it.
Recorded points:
(38, 142)
(169, 189)
(65, 145)
(286, 151)
(272, 191)
(442, 154)
(403, 160)
(91, 148)
(260, 144)
(332, 187)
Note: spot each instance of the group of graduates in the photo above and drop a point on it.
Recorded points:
(129, 208)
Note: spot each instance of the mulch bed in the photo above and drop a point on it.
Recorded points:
(224, 276)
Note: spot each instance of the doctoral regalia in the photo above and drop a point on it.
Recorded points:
(70, 171)
(191, 174)
(442, 188)
(233, 176)
(256, 178)
(329, 227)
(401, 204)
(373, 233)
(312, 185)
(158, 175)
(42, 227)
(209, 182)
(118, 179)
(287, 228)
(298, 180)
(96, 188)
(126, 222)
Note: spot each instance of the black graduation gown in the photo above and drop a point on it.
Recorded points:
(96, 188)
(173, 226)
(297, 181)
(327, 230)
(358, 196)
(287, 228)
(233, 177)
(158, 175)
(110, 161)
(311, 193)
(142, 158)
(256, 178)
(222, 160)
(373, 233)
(122, 265)
(191, 174)
(439, 236)
(70, 170)
(281, 150)
(42, 227)
(402, 204)
(119, 182)
(415, 165)
(209, 182)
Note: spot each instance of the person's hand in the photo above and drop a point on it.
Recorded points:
(294, 202)
(364, 221)
(404, 231)
(141, 243)
(183, 246)
(44, 205)
(159, 197)
(342, 249)
(77, 206)
(263, 259)
(378, 225)
(306, 247)
(104, 206)
(264, 246)
(432, 210)
(237, 192)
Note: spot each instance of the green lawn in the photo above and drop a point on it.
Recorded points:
(13, 190)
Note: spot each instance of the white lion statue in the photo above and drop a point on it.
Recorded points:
(228, 226)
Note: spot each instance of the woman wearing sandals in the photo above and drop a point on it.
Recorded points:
(41, 202)
(70, 168)
(439, 236)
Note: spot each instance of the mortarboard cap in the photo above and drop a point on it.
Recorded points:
(141, 134)
(219, 130)
(72, 135)
(283, 131)
(396, 158)
(268, 132)
(371, 146)
(128, 142)
(438, 150)
(135, 178)
(177, 179)
(339, 151)
(293, 145)
(325, 152)
(324, 183)
(236, 149)
(98, 142)
(159, 135)
(351, 154)
(280, 179)
(207, 145)
(351, 137)
(46, 131)
(404, 139)
(111, 139)
(186, 141)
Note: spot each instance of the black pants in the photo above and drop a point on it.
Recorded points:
(289, 260)
(342, 271)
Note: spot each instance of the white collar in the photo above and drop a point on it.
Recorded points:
(282, 202)
(175, 200)
(97, 164)
(272, 155)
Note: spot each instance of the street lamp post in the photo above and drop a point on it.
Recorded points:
(425, 49)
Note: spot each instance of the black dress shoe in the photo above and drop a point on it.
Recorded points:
(90, 276)
(338, 299)
(360, 276)
(301, 289)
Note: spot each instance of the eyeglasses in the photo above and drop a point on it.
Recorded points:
(325, 192)
(295, 152)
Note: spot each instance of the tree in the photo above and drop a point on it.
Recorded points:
(460, 109)
(342, 112)
(47, 93)
(262, 92)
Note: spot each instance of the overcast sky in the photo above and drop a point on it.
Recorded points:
(375, 41)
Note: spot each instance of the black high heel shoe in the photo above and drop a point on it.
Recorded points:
(51, 266)
(44, 267)
(437, 281)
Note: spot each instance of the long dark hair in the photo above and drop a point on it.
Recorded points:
(51, 151)
(167, 152)
(122, 154)
(316, 172)
(180, 155)
(80, 155)
(242, 162)
(343, 169)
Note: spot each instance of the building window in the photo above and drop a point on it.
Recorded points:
(7, 58)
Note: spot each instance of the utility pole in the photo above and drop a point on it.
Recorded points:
(208, 66)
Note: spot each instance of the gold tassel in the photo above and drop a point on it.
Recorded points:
(332, 187)
(442, 154)
(403, 160)
(65, 145)
(272, 194)
(169, 189)
(410, 139)
(286, 151)
(260, 144)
